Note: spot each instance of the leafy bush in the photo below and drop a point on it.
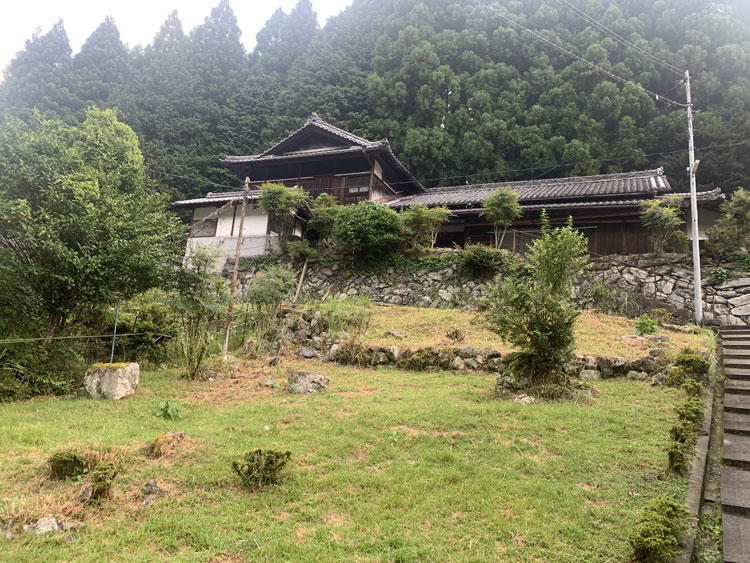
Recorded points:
(323, 212)
(102, 478)
(501, 209)
(345, 314)
(259, 468)
(535, 314)
(67, 464)
(646, 325)
(200, 303)
(656, 538)
(691, 410)
(30, 369)
(480, 260)
(718, 276)
(661, 218)
(422, 224)
(297, 250)
(731, 232)
(265, 294)
(695, 364)
(742, 258)
(678, 242)
(368, 230)
(168, 410)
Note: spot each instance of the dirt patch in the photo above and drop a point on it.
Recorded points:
(587, 486)
(362, 392)
(336, 519)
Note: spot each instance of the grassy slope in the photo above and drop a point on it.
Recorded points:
(388, 465)
(596, 333)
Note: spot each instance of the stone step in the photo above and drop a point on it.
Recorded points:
(737, 353)
(736, 344)
(736, 362)
(737, 423)
(734, 328)
(737, 451)
(735, 491)
(737, 373)
(734, 402)
(736, 534)
(738, 386)
(735, 335)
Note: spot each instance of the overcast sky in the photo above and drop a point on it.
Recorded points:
(137, 20)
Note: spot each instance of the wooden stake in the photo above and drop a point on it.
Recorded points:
(233, 287)
(301, 279)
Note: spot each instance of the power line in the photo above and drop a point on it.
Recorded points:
(22, 340)
(620, 38)
(656, 96)
(199, 180)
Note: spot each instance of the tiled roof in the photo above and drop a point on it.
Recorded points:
(296, 155)
(651, 182)
(325, 126)
(711, 195)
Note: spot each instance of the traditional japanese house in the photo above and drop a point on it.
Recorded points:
(322, 158)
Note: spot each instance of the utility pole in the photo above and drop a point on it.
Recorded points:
(698, 291)
(233, 287)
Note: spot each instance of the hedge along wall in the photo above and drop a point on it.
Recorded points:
(635, 284)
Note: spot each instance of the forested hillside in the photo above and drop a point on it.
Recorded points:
(461, 94)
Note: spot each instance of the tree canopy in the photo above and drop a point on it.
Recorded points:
(79, 225)
(462, 95)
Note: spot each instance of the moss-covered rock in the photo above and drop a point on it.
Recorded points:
(102, 478)
(67, 464)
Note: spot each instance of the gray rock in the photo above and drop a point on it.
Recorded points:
(317, 343)
(9, 524)
(305, 382)
(458, 363)
(67, 538)
(604, 365)
(658, 381)
(108, 383)
(148, 501)
(742, 282)
(333, 351)
(393, 352)
(47, 525)
(152, 488)
(307, 352)
(466, 352)
(658, 338)
(269, 383)
(589, 362)
(590, 375)
(84, 495)
(273, 362)
(637, 375)
(68, 526)
(741, 311)
(656, 352)
(524, 399)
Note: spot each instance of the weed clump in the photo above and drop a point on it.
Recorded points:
(688, 366)
(646, 325)
(656, 537)
(67, 464)
(259, 468)
(102, 478)
(164, 443)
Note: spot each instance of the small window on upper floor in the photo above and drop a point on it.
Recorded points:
(359, 184)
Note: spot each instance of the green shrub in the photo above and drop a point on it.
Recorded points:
(168, 410)
(297, 250)
(30, 369)
(368, 230)
(693, 388)
(345, 314)
(102, 478)
(688, 366)
(678, 457)
(656, 538)
(67, 464)
(742, 258)
(718, 276)
(259, 468)
(265, 294)
(729, 234)
(661, 217)
(535, 314)
(422, 224)
(602, 296)
(678, 242)
(480, 260)
(691, 411)
(646, 325)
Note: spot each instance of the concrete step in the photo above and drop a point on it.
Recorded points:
(738, 386)
(736, 345)
(734, 328)
(735, 491)
(735, 335)
(737, 353)
(737, 451)
(737, 423)
(737, 373)
(736, 533)
(735, 402)
(736, 362)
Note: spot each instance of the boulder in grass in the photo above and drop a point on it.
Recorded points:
(111, 381)
(305, 382)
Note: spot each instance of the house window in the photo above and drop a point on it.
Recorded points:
(203, 227)
(358, 185)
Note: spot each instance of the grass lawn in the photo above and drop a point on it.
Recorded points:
(596, 333)
(387, 466)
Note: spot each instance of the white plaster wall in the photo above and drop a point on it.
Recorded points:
(706, 219)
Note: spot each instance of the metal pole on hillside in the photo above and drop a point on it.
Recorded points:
(698, 291)
(114, 334)
(235, 271)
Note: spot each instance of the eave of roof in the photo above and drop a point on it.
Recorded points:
(646, 182)
(213, 199)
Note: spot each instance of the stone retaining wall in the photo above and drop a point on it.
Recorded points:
(638, 284)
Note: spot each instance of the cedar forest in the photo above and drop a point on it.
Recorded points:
(462, 95)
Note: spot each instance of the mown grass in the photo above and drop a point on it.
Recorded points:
(387, 466)
(596, 333)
